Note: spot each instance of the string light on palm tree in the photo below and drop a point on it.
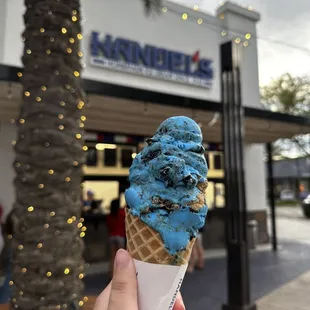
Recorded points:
(45, 36)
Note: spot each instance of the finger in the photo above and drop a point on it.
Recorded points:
(102, 300)
(124, 283)
(179, 304)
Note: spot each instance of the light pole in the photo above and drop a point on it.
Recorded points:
(271, 196)
(236, 218)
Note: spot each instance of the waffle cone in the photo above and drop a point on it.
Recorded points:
(146, 244)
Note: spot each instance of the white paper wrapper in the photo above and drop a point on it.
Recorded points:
(158, 285)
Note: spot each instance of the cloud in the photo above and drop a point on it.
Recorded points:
(286, 21)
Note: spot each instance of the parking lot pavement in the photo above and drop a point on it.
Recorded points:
(271, 273)
(292, 225)
(206, 289)
(293, 295)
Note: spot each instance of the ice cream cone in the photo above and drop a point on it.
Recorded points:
(159, 274)
(166, 207)
(146, 245)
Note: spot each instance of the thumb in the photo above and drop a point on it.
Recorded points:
(124, 295)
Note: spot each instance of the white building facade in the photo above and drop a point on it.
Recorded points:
(175, 54)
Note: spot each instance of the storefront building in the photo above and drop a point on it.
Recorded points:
(292, 178)
(140, 70)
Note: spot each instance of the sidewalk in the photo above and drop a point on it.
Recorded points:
(101, 268)
(279, 281)
(294, 295)
(206, 289)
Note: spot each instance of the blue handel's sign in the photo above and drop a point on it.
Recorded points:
(129, 56)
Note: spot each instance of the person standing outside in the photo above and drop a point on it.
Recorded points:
(89, 202)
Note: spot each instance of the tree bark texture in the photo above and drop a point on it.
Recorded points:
(48, 264)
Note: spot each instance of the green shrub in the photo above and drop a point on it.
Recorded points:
(288, 203)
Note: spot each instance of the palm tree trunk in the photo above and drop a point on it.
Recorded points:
(47, 247)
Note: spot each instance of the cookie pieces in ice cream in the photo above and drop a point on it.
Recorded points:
(168, 183)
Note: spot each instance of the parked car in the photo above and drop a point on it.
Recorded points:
(306, 206)
(287, 195)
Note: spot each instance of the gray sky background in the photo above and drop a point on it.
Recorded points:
(285, 20)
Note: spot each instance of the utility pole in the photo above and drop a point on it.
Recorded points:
(271, 197)
(236, 219)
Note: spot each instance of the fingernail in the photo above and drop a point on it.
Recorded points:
(121, 259)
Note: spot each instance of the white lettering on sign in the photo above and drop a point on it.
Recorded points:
(137, 69)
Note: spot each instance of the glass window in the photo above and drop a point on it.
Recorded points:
(127, 157)
(110, 157)
(91, 159)
(104, 193)
(219, 195)
(210, 195)
(217, 158)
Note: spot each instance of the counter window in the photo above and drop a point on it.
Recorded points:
(91, 159)
(217, 158)
(110, 157)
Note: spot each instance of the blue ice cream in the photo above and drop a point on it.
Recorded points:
(167, 183)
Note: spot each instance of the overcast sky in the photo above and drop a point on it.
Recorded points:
(283, 20)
